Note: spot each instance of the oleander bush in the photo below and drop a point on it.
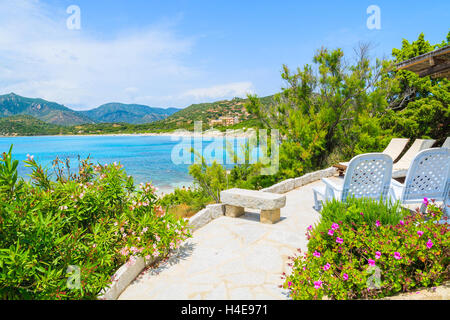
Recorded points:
(352, 254)
(88, 223)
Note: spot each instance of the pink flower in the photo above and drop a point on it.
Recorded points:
(345, 277)
(361, 213)
(397, 255)
(309, 228)
(420, 233)
(317, 284)
(326, 267)
(131, 261)
(378, 223)
(330, 232)
(124, 251)
(425, 201)
(147, 257)
(377, 255)
(289, 283)
(94, 245)
(133, 249)
(316, 254)
(402, 222)
(339, 240)
(334, 226)
(429, 244)
(371, 262)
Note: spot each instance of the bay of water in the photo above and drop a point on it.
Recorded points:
(146, 158)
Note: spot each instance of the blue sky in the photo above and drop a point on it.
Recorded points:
(174, 53)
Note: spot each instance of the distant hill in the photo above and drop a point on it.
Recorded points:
(25, 125)
(50, 112)
(27, 116)
(128, 113)
(209, 111)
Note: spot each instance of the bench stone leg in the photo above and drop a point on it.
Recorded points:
(269, 216)
(233, 211)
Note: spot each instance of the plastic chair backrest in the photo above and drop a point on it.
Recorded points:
(368, 175)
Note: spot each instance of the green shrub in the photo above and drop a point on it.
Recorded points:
(95, 220)
(191, 200)
(357, 257)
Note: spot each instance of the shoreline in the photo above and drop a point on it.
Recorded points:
(176, 133)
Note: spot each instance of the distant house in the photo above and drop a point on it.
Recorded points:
(224, 121)
(215, 122)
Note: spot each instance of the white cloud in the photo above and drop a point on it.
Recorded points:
(235, 89)
(41, 57)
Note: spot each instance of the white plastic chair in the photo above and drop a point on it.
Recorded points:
(401, 166)
(368, 175)
(428, 177)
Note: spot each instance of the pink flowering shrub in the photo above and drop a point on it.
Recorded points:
(371, 258)
(95, 219)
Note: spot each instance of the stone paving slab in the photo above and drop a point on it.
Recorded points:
(233, 258)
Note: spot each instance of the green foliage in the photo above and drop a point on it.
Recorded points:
(344, 255)
(334, 110)
(95, 220)
(362, 210)
(196, 199)
(211, 179)
(8, 174)
(419, 106)
(24, 125)
(322, 113)
(357, 211)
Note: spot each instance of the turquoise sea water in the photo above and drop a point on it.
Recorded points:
(146, 158)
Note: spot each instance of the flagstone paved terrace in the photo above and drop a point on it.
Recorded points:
(233, 258)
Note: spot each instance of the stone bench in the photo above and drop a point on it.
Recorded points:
(236, 200)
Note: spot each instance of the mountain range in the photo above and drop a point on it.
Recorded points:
(54, 113)
(128, 113)
(28, 116)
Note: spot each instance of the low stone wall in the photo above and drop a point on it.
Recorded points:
(124, 276)
(437, 293)
(291, 184)
(206, 215)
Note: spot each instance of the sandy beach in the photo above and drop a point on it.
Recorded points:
(177, 133)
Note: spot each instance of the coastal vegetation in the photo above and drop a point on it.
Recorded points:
(364, 249)
(65, 237)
